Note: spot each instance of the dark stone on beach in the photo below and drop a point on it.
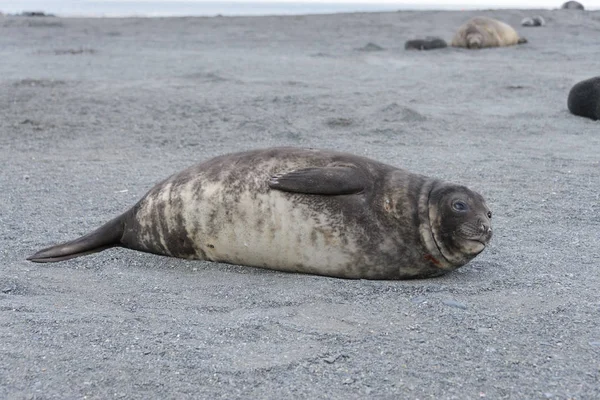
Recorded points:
(74, 51)
(425, 44)
(8, 289)
(584, 98)
(572, 5)
(335, 358)
(35, 14)
(339, 122)
(370, 47)
(533, 21)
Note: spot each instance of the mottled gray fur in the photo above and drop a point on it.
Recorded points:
(301, 210)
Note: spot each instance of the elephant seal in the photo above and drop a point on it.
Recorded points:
(482, 32)
(572, 5)
(584, 98)
(301, 210)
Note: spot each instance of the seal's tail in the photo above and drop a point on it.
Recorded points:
(107, 236)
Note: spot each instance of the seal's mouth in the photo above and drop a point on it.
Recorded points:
(470, 246)
(480, 244)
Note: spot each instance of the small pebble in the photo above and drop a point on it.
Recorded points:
(371, 47)
(455, 304)
(332, 359)
(418, 299)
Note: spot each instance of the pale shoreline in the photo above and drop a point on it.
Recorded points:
(165, 9)
(93, 112)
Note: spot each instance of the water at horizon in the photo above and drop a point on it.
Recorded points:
(68, 8)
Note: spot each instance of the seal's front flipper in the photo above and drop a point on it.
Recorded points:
(108, 235)
(326, 180)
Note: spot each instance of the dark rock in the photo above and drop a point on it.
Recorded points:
(8, 289)
(35, 14)
(572, 5)
(584, 98)
(425, 44)
(339, 122)
(335, 358)
(74, 51)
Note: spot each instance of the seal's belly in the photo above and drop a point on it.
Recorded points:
(257, 227)
(277, 234)
(272, 230)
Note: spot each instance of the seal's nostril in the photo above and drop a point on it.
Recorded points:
(485, 228)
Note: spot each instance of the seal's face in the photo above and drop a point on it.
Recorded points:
(460, 223)
(474, 37)
(474, 40)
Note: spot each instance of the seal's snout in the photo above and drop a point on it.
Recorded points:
(485, 229)
(473, 44)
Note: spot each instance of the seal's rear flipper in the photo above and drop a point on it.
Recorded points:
(324, 180)
(522, 40)
(108, 235)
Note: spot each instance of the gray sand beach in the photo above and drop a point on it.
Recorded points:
(94, 112)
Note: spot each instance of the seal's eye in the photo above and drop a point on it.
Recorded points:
(459, 205)
(489, 214)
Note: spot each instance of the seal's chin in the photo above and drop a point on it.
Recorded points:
(473, 247)
(474, 44)
(463, 252)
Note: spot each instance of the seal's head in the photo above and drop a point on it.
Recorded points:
(460, 222)
(474, 37)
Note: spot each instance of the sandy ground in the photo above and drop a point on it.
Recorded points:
(93, 112)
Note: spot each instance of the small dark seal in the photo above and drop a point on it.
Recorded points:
(584, 98)
(536, 20)
(301, 210)
(428, 43)
(572, 5)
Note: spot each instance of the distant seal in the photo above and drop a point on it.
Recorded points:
(428, 43)
(482, 32)
(584, 98)
(536, 20)
(301, 210)
(572, 5)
